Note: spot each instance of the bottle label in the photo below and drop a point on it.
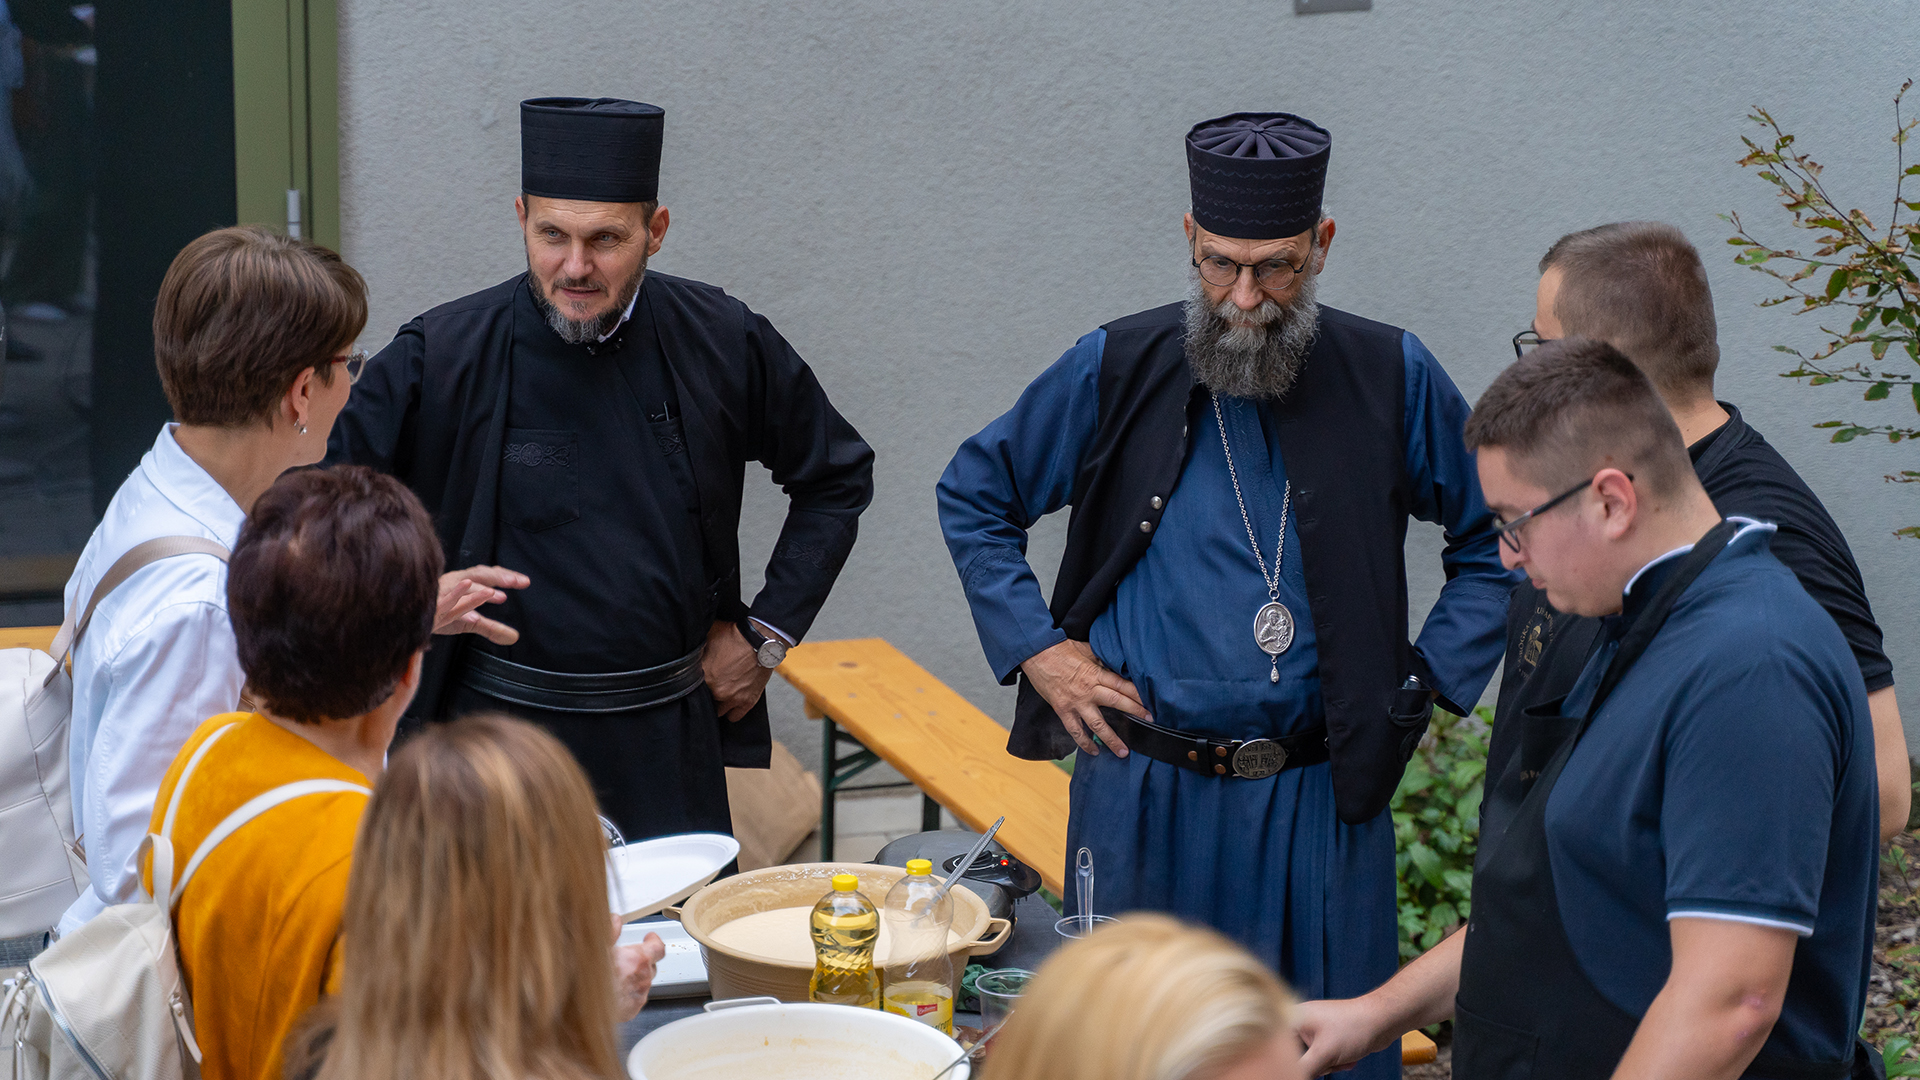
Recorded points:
(929, 1003)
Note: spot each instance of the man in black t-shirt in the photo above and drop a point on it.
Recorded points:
(1640, 287)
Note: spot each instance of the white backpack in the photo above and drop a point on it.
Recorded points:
(106, 1001)
(44, 870)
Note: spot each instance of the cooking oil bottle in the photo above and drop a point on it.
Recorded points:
(845, 927)
(918, 979)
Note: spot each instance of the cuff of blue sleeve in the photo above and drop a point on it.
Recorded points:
(1751, 914)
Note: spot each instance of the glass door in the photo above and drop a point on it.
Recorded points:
(49, 257)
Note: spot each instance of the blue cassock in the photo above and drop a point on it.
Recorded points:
(1266, 862)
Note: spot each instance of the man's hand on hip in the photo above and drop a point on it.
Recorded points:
(733, 672)
(461, 594)
(1078, 686)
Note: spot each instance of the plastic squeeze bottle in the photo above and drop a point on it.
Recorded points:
(845, 927)
(918, 979)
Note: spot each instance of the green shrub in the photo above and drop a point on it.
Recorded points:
(1436, 822)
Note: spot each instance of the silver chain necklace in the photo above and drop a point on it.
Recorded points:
(1273, 626)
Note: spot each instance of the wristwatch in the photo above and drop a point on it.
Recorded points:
(769, 651)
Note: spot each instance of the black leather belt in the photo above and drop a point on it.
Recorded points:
(1248, 759)
(618, 691)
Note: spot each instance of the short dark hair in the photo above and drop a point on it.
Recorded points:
(241, 313)
(1575, 406)
(1641, 287)
(331, 591)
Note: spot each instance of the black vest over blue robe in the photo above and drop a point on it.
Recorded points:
(1342, 435)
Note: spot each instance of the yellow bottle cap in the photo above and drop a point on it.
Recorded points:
(845, 883)
(919, 867)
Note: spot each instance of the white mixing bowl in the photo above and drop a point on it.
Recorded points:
(774, 1040)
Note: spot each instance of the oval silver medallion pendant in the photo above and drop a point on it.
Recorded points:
(1273, 629)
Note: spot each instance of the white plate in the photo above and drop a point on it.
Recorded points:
(646, 876)
(683, 972)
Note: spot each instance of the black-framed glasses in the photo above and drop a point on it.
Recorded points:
(1272, 274)
(1527, 340)
(1509, 531)
(356, 361)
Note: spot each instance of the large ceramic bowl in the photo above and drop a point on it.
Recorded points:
(733, 973)
(784, 1041)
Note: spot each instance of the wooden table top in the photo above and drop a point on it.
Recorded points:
(951, 750)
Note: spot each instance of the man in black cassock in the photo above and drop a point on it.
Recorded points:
(580, 433)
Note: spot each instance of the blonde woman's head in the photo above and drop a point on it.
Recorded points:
(1149, 998)
(476, 923)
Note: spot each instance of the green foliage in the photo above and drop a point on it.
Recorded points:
(1867, 277)
(1436, 822)
(1894, 863)
(1894, 1055)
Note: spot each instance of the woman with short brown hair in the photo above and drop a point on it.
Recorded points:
(253, 335)
(332, 595)
(477, 923)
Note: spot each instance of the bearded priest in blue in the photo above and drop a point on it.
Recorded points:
(580, 432)
(1226, 645)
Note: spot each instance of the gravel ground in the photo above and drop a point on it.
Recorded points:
(1893, 992)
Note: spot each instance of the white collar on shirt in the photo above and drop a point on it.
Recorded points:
(625, 317)
(192, 488)
(1748, 526)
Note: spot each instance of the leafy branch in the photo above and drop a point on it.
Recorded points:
(1862, 273)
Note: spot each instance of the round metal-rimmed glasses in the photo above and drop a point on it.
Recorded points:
(1527, 340)
(1271, 274)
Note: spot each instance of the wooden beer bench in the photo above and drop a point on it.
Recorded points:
(876, 705)
(30, 637)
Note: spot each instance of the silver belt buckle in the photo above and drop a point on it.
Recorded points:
(1257, 759)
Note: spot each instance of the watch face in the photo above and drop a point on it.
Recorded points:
(772, 652)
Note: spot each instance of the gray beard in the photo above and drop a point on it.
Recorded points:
(1260, 361)
(584, 331)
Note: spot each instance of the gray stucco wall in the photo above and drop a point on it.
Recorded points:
(933, 200)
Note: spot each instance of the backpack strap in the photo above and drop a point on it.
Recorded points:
(161, 843)
(253, 808)
(137, 558)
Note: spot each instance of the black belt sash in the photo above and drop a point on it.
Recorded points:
(1210, 755)
(619, 691)
(1525, 1008)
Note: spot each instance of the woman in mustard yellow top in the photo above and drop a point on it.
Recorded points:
(331, 592)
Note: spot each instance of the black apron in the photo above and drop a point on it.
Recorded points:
(1526, 1008)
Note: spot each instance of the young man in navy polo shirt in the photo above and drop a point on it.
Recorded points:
(1687, 887)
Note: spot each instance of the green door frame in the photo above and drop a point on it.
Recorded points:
(286, 116)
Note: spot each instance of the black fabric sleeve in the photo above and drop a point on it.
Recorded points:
(1761, 485)
(823, 466)
(376, 428)
(1826, 570)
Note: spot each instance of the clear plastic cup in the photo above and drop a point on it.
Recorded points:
(1079, 926)
(998, 990)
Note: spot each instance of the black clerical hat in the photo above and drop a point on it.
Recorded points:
(594, 149)
(1257, 176)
